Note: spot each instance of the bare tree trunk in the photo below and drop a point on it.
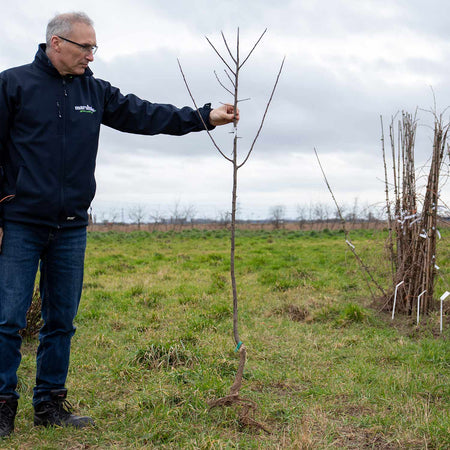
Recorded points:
(233, 244)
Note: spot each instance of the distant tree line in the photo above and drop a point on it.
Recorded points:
(316, 215)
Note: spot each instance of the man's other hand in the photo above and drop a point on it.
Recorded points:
(1, 238)
(222, 115)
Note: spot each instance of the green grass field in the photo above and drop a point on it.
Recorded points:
(327, 370)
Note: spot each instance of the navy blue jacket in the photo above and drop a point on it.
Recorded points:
(49, 130)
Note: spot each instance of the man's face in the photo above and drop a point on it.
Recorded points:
(72, 59)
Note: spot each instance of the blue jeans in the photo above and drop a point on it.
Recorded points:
(61, 256)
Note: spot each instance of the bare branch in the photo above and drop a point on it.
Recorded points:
(231, 80)
(237, 51)
(388, 203)
(219, 55)
(338, 209)
(201, 118)
(239, 101)
(228, 48)
(352, 248)
(251, 51)
(264, 116)
(220, 82)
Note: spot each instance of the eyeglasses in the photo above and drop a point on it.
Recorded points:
(86, 48)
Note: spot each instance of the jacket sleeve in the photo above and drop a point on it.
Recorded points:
(131, 114)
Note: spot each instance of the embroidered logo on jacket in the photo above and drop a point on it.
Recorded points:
(85, 109)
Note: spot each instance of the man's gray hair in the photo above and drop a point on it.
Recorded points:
(61, 24)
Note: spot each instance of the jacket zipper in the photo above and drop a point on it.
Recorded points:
(63, 152)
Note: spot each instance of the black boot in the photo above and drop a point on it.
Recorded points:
(8, 409)
(58, 412)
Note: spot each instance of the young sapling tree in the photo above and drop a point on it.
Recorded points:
(233, 65)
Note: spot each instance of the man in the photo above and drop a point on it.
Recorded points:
(50, 116)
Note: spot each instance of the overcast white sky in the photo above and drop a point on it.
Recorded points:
(347, 63)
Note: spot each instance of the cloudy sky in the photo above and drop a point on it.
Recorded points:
(348, 62)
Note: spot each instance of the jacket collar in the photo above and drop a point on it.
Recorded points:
(42, 61)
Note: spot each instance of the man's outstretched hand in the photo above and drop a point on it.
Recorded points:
(222, 115)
